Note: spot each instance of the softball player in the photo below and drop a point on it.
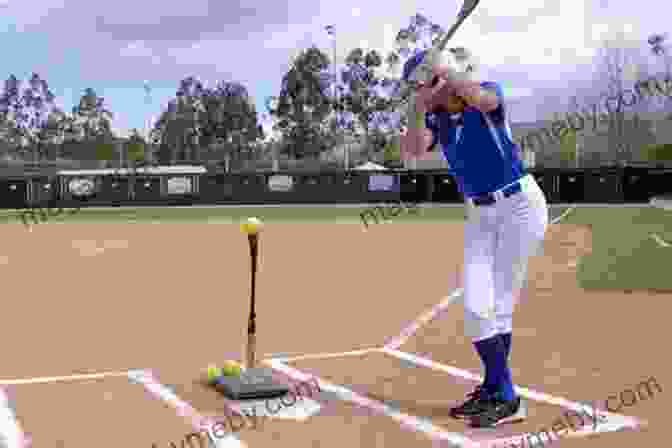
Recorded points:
(506, 221)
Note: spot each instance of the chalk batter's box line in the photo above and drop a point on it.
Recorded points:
(11, 431)
(322, 355)
(198, 421)
(439, 436)
(615, 422)
(584, 431)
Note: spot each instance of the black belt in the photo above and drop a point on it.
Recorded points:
(490, 198)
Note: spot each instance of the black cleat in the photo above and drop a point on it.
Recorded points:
(477, 401)
(498, 412)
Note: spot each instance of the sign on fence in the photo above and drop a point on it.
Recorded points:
(81, 186)
(280, 183)
(382, 182)
(179, 185)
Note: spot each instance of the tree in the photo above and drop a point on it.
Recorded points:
(568, 147)
(135, 147)
(92, 120)
(419, 35)
(618, 68)
(365, 108)
(86, 132)
(53, 132)
(201, 117)
(658, 153)
(25, 114)
(304, 105)
(392, 151)
(189, 99)
(104, 151)
(230, 123)
(368, 108)
(660, 48)
(172, 131)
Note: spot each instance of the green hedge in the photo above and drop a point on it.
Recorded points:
(658, 152)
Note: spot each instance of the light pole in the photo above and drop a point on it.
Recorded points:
(149, 121)
(331, 30)
(271, 106)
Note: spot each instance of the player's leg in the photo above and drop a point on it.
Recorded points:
(478, 283)
(521, 232)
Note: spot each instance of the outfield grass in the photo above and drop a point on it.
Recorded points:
(624, 255)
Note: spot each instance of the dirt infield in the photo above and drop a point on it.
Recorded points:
(83, 299)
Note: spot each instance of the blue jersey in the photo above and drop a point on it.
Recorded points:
(478, 146)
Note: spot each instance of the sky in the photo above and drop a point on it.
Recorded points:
(539, 50)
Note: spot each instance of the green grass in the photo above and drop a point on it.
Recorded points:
(270, 214)
(624, 255)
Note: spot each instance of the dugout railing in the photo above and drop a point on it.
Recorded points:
(202, 187)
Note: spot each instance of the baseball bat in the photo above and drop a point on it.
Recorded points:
(253, 239)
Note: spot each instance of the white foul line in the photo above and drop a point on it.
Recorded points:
(661, 242)
(563, 215)
(424, 319)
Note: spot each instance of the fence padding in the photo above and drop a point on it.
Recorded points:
(612, 185)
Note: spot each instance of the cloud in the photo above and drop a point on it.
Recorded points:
(246, 39)
(157, 20)
(124, 42)
(137, 49)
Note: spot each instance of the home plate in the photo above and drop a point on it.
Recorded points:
(275, 408)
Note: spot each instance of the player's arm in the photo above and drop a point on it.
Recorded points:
(484, 99)
(418, 139)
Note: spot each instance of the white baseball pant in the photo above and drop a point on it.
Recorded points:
(498, 241)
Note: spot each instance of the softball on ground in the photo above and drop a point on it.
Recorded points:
(251, 226)
(213, 373)
(231, 368)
